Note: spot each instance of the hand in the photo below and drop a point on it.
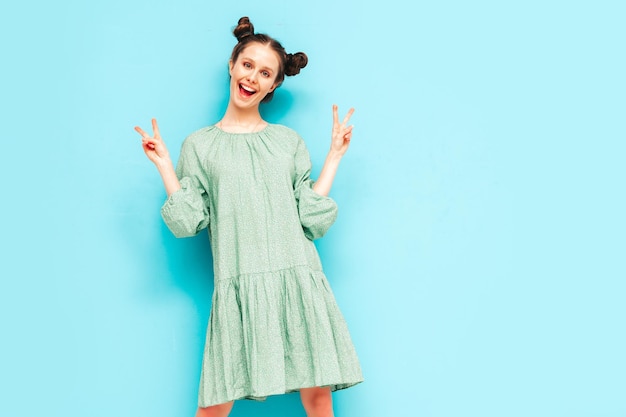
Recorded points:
(153, 146)
(341, 132)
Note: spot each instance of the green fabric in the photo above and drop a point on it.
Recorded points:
(275, 326)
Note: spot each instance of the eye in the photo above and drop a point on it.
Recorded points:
(247, 65)
(266, 74)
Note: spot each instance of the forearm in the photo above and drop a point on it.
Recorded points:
(168, 175)
(325, 181)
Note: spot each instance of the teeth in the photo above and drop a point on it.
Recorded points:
(248, 89)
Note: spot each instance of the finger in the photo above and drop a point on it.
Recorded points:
(141, 132)
(155, 128)
(347, 118)
(347, 133)
(335, 115)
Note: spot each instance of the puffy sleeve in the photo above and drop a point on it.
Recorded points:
(186, 211)
(317, 212)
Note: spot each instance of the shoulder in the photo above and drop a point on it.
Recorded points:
(286, 135)
(202, 135)
(281, 129)
(200, 140)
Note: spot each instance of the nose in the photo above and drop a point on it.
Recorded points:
(252, 76)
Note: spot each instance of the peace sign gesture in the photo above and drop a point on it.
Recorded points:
(153, 146)
(342, 133)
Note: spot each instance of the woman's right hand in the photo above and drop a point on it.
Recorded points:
(153, 146)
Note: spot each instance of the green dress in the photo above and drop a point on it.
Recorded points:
(274, 325)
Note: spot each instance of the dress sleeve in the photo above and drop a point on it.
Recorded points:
(317, 212)
(186, 211)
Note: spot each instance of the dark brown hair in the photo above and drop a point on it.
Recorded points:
(289, 64)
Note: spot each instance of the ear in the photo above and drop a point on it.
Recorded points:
(230, 67)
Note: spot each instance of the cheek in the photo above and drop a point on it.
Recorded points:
(268, 84)
(274, 84)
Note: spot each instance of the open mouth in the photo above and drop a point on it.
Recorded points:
(246, 91)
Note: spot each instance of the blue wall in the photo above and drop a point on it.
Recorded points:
(479, 252)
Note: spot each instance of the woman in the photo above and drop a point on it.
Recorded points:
(275, 326)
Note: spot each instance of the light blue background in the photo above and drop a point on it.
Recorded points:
(479, 252)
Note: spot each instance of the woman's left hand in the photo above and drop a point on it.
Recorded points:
(342, 133)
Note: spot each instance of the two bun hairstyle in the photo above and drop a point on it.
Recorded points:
(290, 64)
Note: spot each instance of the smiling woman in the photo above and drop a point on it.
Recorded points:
(275, 326)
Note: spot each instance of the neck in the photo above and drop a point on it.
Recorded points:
(241, 121)
(241, 116)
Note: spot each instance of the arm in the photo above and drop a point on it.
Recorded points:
(157, 152)
(340, 142)
(186, 210)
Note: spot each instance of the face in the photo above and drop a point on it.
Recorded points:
(253, 75)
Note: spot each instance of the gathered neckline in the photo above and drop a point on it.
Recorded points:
(242, 133)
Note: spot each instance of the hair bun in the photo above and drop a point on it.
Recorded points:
(244, 28)
(295, 62)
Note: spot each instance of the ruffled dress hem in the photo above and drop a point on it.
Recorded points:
(263, 396)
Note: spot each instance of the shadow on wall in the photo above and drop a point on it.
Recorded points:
(279, 107)
(190, 263)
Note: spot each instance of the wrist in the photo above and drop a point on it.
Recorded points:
(334, 155)
(164, 164)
